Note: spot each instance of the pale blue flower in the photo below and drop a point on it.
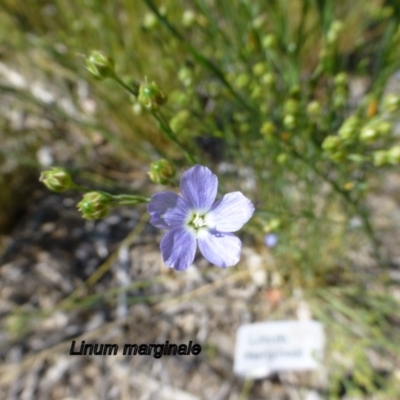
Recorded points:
(195, 217)
(271, 240)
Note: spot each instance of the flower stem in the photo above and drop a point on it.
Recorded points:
(197, 56)
(163, 123)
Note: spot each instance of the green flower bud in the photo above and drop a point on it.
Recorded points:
(384, 128)
(185, 75)
(340, 97)
(353, 121)
(391, 103)
(161, 171)
(258, 21)
(282, 158)
(331, 143)
(291, 106)
(289, 121)
(347, 132)
(334, 30)
(180, 98)
(273, 225)
(137, 109)
(357, 158)
(341, 79)
(338, 156)
(151, 96)
(178, 122)
(269, 41)
(368, 134)
(267, 129)
(394, 155)
(259, 69)
(188, 18)
(380, 158)
(150, 21)
(57, 180)
(314, 109)
(350, 128)
(268, 79)
(94, 205)
(257, 92)
(100, 65)
(242, 80)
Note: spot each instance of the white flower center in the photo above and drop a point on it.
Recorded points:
(199, 221)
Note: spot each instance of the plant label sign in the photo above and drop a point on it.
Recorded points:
(265, 347)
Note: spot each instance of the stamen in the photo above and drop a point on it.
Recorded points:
(199, 221)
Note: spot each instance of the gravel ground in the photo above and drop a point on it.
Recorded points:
(64, 279)
(51, 294)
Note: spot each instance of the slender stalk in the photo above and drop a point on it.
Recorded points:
(197, 56)
(353, 203)
(163, 123)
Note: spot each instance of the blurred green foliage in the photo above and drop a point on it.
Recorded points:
(267, 88)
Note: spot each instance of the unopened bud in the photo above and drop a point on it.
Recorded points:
(57, 180)
(259, 68)
(384, 128)
(289, 121)
(338, 156)
(291, 106)
(341, 79)
(282, 158)
(258, 21)
(242, 80)
(267, 129)
(100, 65)
(268, 79)
(340, 97)
(368, 134)
(357, 158)
(150, 21)
(180, 98)
(185, 75)
(178, 122)
(94, 205)
(273, 225)
(350, 128)
(151, 96)
(380, 158)
(394, 155)
(331, 143)
(269, 41)
(161, 171)
(391, 103)
(314, 108)
(188, 18)
(334, 30)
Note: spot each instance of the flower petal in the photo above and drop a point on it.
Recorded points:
(177, 216)
(220, 249)
(160, 202)
(158, 206)
(231, 212)
(157, 221)
(178, 248)
(199, 187)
